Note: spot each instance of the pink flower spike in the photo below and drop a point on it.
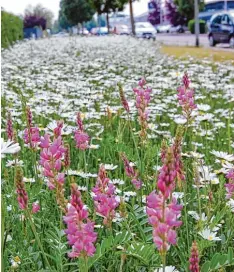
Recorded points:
(185, 97)
(35, 207)
(80, 230)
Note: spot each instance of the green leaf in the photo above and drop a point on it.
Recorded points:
(230, 255)
(223, 259)
(205, 267)
(143, 252)
(214, 261)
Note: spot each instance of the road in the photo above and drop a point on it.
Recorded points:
(186, 40)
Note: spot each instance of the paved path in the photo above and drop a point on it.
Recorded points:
(187, 40)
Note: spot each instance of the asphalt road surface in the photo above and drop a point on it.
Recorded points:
(186, 40)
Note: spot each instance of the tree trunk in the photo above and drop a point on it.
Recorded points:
(197, 26)
(107, 22)
(132, 18)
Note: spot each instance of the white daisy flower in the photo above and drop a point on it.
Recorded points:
(230, 204)
(110, 166)
(14, 162)
(167, 269)
(9, 147)
(223, 155)
(209, 235)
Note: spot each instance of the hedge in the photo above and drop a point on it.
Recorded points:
(202, 24)
(12, 29)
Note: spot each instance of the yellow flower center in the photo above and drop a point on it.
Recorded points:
(17, 259)
(210, 238)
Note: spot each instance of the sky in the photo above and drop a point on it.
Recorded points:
(18, 6)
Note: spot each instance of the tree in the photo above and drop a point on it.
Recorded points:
(154, 15)
(32, 21)
(62, 19)
(107, 6)
(77, 11)
(186, 8)
(173, 16)
(40, 11)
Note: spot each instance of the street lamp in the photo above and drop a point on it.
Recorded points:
(197, 30)
(132, 17)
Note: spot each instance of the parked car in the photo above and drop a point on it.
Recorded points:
(163, 28)
(177, 29)
(221, 28)
(121, 30)
(84, 32)
(99, 31)
(145, 30)
(61, 34)
(102, 31)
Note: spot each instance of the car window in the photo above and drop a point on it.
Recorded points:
(226, 20)
(140, 26)
(217, 20)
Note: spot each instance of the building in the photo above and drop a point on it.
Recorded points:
(213, 6)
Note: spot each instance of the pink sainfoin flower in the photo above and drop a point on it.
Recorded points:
(142, 100)
(81, 138)
(51, 159)
(35, 207)
(167, 174)
(186, 97)
(58, 130)
(177, 155)
(104, 197)
(9, 128)
(194, 259)
(123, 98)
(20, 190)
(80, 230)
(230, 186)
(162, 209)
(31, 134)
(28, 116)
(130, 172)
(163, 217)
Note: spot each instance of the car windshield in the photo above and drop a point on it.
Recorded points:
(145, 25)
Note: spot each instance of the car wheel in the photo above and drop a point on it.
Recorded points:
(231, 42)
(211, 41)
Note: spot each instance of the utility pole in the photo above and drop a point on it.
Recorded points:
(132, 17)
(197, 30)
(161, 14)
(225, 5)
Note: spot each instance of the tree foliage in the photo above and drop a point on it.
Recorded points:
(107, 6)
(77, 11)
(11, 29)
(62, 19)
(40, 11)
(186, 8)
(154, 16)
(32, 21)
(173, 15)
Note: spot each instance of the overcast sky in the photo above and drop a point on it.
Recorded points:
(18, 6)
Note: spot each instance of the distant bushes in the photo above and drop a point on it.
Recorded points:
(12, 29)
(202, 24)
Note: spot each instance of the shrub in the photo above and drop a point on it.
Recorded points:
(202, 24)
(12, 29)
(33, 21)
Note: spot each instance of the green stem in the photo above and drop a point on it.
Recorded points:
(164, 260)
(38, 239)
(186, 217)
(130, 128)
(34, 155)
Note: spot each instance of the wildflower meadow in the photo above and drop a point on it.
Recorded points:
(115, 157)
